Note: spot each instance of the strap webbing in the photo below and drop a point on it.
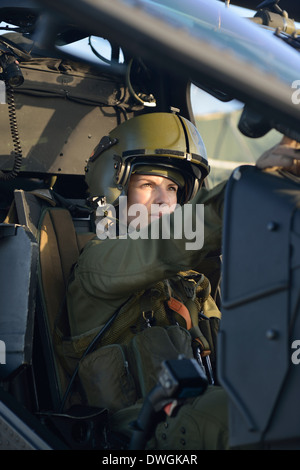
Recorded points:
(181, 309)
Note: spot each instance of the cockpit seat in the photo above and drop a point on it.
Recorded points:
(60, 238)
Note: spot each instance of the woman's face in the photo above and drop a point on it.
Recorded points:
(155, 193)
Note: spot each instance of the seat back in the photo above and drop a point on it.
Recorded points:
(59, 250)
(59, 247)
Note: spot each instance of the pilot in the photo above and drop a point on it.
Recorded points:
(140, 282)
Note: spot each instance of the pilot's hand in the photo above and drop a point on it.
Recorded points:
(285, 155)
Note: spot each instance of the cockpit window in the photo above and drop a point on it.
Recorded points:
(227, 148)
(95, 49)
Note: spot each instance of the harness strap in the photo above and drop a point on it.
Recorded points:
(190, 314)
(146, 305)
(198, 336)
(181, 309)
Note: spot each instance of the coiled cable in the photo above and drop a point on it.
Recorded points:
(15, 135)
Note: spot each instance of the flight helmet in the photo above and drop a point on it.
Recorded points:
(161, 144)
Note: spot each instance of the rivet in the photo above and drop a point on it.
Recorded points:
(272, 334)
(272, 226)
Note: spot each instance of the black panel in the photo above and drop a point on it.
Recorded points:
(18, 268)
(260, 289)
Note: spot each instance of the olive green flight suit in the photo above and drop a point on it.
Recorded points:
(109, 271)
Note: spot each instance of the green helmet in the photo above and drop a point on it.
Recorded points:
(168, 144)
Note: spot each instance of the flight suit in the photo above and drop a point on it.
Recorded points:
(109, 271)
